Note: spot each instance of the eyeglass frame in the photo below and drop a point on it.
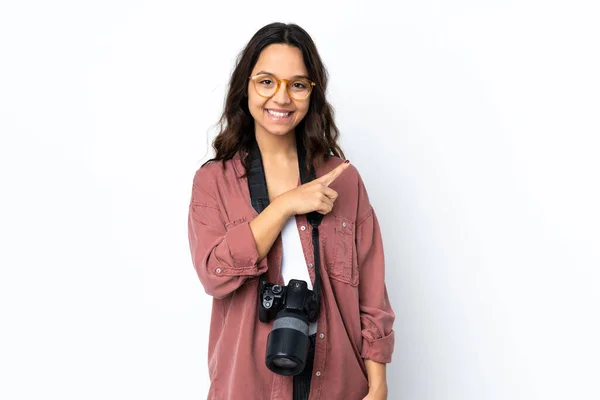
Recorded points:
(287, 87)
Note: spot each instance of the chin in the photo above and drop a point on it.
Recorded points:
(278, 130)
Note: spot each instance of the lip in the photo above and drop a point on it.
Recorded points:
(279, 110)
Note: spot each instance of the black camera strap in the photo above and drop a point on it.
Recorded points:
(259, 196)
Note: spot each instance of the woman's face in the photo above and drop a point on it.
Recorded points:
(284, 62)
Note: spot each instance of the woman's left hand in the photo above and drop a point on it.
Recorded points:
(379, 393)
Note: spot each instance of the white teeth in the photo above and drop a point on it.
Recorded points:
(278, 114)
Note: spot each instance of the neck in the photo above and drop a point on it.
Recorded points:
(275, 146)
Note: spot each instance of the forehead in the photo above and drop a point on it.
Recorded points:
(282, 60)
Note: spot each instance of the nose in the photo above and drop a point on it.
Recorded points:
(282, 96)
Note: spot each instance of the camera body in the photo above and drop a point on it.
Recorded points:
(292, 307)
(295, 297)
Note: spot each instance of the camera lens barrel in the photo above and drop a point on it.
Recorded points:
(288, 343)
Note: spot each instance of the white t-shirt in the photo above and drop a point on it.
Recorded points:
(293, 263)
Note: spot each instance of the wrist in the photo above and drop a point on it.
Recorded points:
(282, 207)
(380, 384)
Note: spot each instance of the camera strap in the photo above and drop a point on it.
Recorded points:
(259, 195)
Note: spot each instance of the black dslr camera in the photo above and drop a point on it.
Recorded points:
(293, 307)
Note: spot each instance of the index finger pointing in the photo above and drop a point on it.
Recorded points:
(332, 175)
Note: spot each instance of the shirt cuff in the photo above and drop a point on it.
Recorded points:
(379, 350)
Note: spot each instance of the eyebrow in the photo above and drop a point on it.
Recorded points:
(270, 73)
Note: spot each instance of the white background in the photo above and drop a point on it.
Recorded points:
(474, 124)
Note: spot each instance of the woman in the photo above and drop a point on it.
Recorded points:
(276, 115)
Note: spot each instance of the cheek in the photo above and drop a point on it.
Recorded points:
(301, 112)
(255, 105)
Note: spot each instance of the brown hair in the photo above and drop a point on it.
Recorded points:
(317, 130)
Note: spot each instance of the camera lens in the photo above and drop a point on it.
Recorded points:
(287, 344)
(285, 363)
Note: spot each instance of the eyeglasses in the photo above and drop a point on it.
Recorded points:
(267, 85)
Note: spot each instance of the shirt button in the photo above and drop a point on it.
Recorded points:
(310, 265)
(343, 224)
(318, 373)
(303, 228)
(218, 270)
(322, 335)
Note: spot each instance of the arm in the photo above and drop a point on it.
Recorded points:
(267, 225)
(223, 258)
(377, 379)
(376, 314)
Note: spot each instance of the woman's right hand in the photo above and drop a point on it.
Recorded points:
(313, 196)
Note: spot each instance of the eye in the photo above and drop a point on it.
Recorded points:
(299, 85)
(265, 82)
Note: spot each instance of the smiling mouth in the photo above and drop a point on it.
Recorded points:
(279, 115)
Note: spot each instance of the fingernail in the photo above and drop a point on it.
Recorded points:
(346, 162)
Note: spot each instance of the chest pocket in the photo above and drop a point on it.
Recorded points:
(340, 251)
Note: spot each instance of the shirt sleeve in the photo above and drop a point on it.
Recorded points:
(223, 256)
(376, 314)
